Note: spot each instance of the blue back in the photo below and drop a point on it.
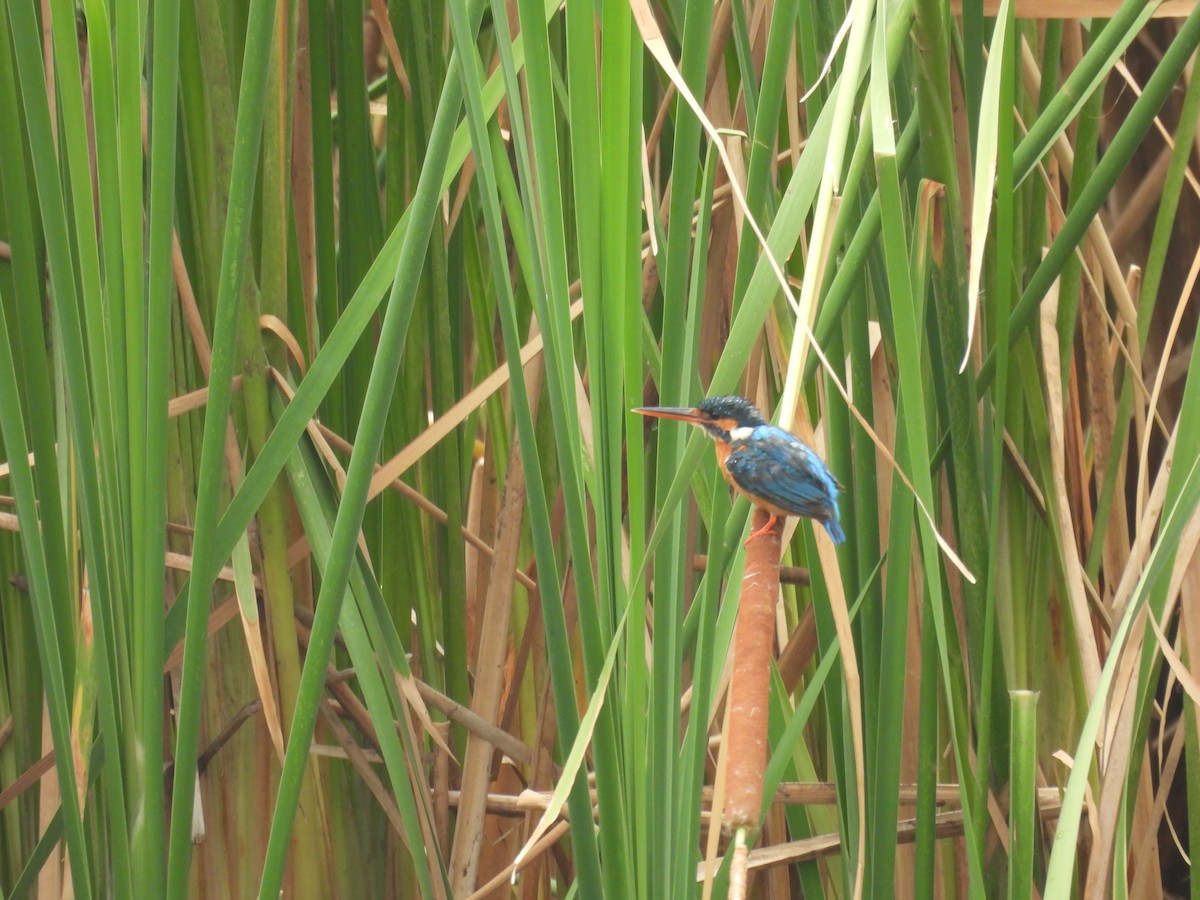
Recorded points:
(778, 467)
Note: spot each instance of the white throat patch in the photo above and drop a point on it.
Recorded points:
(741, 434)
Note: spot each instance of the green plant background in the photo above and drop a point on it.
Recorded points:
(333, 553)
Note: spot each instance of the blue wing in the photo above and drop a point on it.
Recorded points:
(777, 467)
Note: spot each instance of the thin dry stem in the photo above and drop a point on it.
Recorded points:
(739, 867)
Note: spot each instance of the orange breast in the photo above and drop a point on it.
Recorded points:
(723, 451)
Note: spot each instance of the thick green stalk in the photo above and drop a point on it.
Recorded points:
(668, 604)
(906, 283)
(324, 238)
(451, 468)
(885, 758)
(273, 515)
(259, 34)
(681, 302)
(938, 163)
(447, 466)
(996, 125)
(621, 364)
(311, 864)
(106, 216)
(605, 159)
(928, 741)
(207, 107)
(1023, 795)
(359, 225)
(392, 519)
(90, 308)
(541, 175)
(136, 254)
(149, 824)
(884, 633)
(1070, 286)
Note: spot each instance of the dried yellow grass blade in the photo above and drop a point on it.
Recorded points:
(1074, 574)
(985, 170)
(489, 680)
(380, 11)
(1178, 668)
(1172, 334)
(454, 416)
(83, 706)
(243, 585)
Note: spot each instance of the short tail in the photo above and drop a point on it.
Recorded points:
(834, 527)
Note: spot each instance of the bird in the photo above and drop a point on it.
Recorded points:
(774, 469)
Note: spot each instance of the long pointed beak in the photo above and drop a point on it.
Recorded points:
(682, 413)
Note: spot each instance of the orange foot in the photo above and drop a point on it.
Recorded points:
(771, 521)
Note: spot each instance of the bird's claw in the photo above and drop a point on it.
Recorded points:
(771, 523)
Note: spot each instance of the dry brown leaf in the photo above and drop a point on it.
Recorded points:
(407, 685)
(380, 11)
(1073, 571)
(243, 586)
(278, 327)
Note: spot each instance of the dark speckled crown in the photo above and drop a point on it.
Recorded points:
(739, 409)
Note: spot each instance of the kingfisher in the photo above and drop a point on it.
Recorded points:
(773, 468)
